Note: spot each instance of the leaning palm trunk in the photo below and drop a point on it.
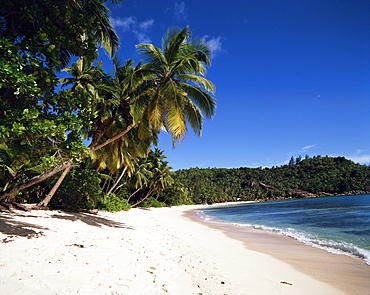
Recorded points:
(143, 199)
(10, 194)
(92, 149)
(48, 197)
(117, 181)
(133, 194)
(103, 127)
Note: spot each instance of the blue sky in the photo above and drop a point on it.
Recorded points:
(292, 77)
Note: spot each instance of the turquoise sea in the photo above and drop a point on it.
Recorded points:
(339, 224)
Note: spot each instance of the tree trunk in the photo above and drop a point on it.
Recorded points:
(118, 180)
(118, 187)
(129, 198)
(11, 193)
(6, 186)
(46, 200)
(143, 199)
(99, 146)
(103, 127)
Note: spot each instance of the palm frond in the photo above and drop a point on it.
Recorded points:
(202, 99)
(104, 34)
(199, 81)
(152, 54)
(201, 50)
(156, 112)
(194, 117)
(175, 40)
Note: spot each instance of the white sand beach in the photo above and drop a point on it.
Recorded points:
(155, 251)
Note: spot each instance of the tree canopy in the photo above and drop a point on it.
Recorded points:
(44, 120)
(311, 177)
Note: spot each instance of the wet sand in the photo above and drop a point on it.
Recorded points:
(350, 274)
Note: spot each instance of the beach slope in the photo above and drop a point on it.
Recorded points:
(155, 251)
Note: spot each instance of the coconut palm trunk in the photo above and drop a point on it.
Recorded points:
(48, 197)
(143, 199)
(10, 194)
(117, 181)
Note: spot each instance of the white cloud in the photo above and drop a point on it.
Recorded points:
(146, 25)
(306, 148)
(215, 43)
(364, 159)
(358, 152)
(358, 157)
(124, 24)
(180, 11)
(132, 25)
(142, 38)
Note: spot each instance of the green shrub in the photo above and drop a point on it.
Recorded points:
(152, 202)
(112, 203)
(80, 190)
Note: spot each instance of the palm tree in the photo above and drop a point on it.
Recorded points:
(161, 177)
(94, 26)
(166, 92)
(87, 83)
(180, 92)
(109, 97)
(140, 175)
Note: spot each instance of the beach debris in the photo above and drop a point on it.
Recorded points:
(8, 239)
(77, 245)
(286, 283)
(35, 235)
(96, 212)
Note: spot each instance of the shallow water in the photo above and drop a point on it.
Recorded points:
(339, 224)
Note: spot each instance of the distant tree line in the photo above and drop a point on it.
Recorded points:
(310, 177)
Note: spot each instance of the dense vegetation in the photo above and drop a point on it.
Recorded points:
(317, 176)
(46, 120)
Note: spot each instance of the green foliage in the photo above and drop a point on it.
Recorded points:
(80, 190)
(176, 195)
(43, 120)
(152, 202)
(318, 175)
(40, 124)
(112, 203)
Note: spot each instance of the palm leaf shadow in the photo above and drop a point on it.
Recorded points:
(12, 227)
(91, 219)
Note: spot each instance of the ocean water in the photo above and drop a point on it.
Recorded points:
(339, 224)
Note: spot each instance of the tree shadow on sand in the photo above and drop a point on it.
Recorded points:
(91, 219)
(12, 227)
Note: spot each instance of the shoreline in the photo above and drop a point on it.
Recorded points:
(348, 273)
(141, 251)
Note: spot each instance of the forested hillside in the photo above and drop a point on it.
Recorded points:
(317, 176)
